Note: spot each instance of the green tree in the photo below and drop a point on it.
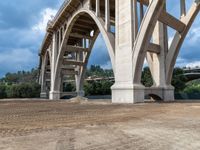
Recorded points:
(24, 90)
(69, 87)
(146, 79)
(106, 87)
(97, 71)
(178, 80)
(3, 91)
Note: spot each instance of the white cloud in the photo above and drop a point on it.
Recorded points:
(194, 35)
(193, 64)
(46, 15)
(181, 62)
(17, 59)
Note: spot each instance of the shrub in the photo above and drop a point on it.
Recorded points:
(69, 87)
(3, 91)
(98, 87)
(192, 89)
(25, 90)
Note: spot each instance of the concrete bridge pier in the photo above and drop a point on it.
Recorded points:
(125, 90)
(44, 77)
(55, 93)
(165, 94)
(157, 64)
(136, 37)
(43, 95)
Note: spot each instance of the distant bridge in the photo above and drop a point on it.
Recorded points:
(140, 32)
(192, 74)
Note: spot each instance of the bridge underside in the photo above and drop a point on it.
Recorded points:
(133, 30)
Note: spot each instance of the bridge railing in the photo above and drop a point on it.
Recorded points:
(65, 3)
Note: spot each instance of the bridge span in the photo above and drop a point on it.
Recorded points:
(140, 32)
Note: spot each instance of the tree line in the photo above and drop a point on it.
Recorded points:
(23, 84)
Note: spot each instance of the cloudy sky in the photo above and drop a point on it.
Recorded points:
(22, 28)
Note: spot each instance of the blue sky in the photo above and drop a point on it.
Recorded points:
(22, 28)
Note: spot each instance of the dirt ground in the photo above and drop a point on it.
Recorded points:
(61, 125)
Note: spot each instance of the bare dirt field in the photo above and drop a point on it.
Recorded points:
(60, 125)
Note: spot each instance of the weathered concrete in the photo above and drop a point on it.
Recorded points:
(72, 33)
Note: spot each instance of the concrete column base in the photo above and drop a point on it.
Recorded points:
(81, 93)
(43, 95)
(168, 94)
(54, 95)
(127, 94)
(165, 93)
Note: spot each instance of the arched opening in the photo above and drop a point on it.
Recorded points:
(46, 76)
(80, 38)
(99, 75)
(154, 98)
(152, 94)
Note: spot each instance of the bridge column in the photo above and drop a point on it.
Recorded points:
(135, 18)
(157, 63)
(107, 15)
(54, 93)
(79, 87)
(183, 8)
(61, 82)
(80, 58)
(125, 90)
(43, 93)
(97, 8)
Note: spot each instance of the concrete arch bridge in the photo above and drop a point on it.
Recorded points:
(140, 32)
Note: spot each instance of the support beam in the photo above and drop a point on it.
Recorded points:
(54, 93)
(135, 19)
(183, 8)
(73, 62)
(97, 8)
(107, 15)
(60, 37)
(171, 21)
(154, 48)
(43, 76)
(89, 4)
(68, 72)
(83, 26)
(84, 20)
(144, 2)
(141, 12)
(76, 35)
(48, 75)
(47, 80)
(58, 41)
(70, 48)
(54, 58)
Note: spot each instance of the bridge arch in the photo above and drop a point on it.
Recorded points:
(143, 38)
(161, 59)
(179, 39)
(98, 27)
(72, 33)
